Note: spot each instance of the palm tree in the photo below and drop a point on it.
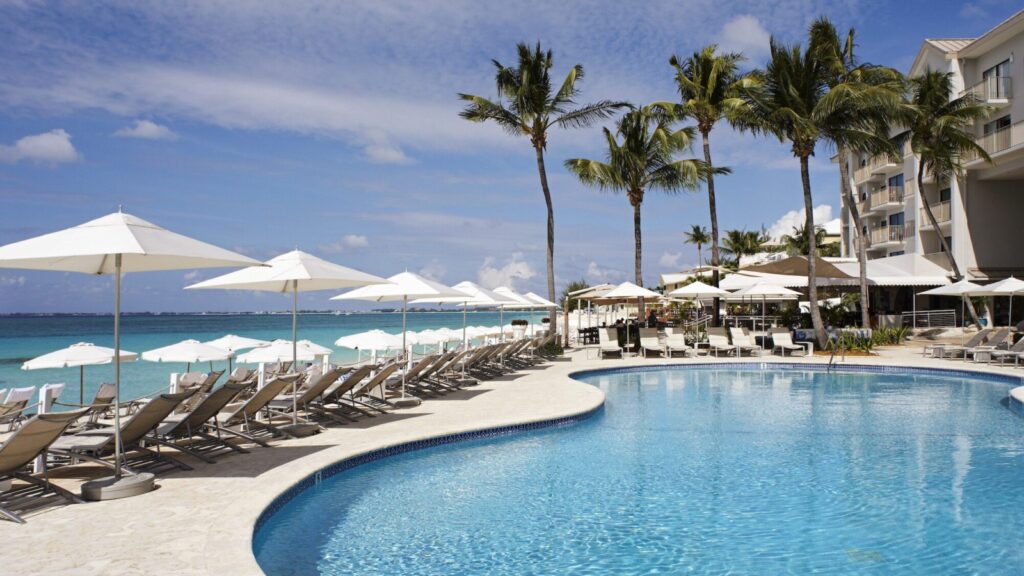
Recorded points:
(707, 82)
(938, 129)
(698, 235)
(739, 243)
(643, 160)
(796, 243)
(529, 105)
(847, 71)
(790, 99)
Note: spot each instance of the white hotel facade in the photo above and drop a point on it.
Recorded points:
(981, 214)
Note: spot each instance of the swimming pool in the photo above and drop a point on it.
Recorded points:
(714, 470)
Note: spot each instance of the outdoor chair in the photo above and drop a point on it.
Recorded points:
(782, 340)
(608, 342)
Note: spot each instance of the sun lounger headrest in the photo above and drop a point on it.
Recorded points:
(20, 395)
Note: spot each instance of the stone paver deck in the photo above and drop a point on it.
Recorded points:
(200, 522)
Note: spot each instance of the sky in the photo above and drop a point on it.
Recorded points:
(333, 127)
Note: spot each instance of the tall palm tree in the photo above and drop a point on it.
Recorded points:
(939, 132)
(790, 99)
(698, 235)
(796, 243)
(739, 243)
(528, 104)
(707, 82)
(847, 71)
(645, 159)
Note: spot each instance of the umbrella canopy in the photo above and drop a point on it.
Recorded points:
(370, 340)
(1008, 287)
(187, 351)
(234, 343)
(78, 356)
(540, 300)
(591, 290)
(629, 291)
(766, 290)
(115, 244)
(283, 351)
(961, 288)
(474, 295)
(699, 291)
(797, 266)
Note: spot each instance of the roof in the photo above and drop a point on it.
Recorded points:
(997, 35)
(949, 45)
(902, 270)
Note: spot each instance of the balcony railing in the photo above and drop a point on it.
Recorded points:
(999, 140)
(875, 166)
(993, 88)
(941, 211)
(890, 195)
(887, 234)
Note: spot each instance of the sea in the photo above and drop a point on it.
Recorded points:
(25, 337)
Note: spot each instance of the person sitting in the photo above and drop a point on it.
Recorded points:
(652, 319)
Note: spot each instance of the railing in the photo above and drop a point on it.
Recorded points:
(873, 165)
(999, 140)
(991, 88)
(863, 206)
(941, 211)
(929, 319)
(890, 195)
(887, 234)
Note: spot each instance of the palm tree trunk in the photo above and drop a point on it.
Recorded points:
(812, 273)
(861, 242)
(638, 256)
(942, 239)
(714, 223)
(551, 234)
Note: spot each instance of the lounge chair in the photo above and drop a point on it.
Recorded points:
(608, 342)
(12, 410)
(941, 350)
(198, 423)
(744, 342)
(676, 342)
(1014, 352)
(719, 342)
(649, 343)
(242, 420)
(782, 340)
(410, 377)
(996, 342)
(362, 394)
(94, 445)
(101, 403)
(21, 449)
(304, 399)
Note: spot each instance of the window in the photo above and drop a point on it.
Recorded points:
(945, 194)
(949, 242)
(997, 125)
(896, 219)
(997, 81)
(897, 253)
(997, 135)
(896, 181)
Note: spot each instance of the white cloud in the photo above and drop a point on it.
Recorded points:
(381, 150)
(190, 276)
(670, 259)
(347, 242)
(53, 147)
(745, 34)
(12, 281)
(514, 270)
(434, 270)
(147, 130)
(599, 273)
(795, 218)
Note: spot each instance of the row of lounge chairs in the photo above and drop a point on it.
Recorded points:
(720, 342)
(988, 345)
(205, 421)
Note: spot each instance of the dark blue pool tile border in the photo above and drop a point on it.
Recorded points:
(1010, 379)
(349, 463)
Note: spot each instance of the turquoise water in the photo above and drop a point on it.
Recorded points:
(22, 338)
(693, 471)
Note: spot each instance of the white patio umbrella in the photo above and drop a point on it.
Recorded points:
(629, 291)
(235, 343)
(766, 292)
(188, 352)
(78, 355)
(372, 340)
(116, 244)
(541, 303)
(283, 351)
(961, 288)
(520, 302)
(1008, 287)
(404, 286)
(477, 296)
(294, 272)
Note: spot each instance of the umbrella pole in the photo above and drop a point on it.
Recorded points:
(81, 385)
(465, 341)
(963, 319)
(405, 304)
(117, 366)
(295, 349)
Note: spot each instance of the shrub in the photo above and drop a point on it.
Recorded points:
(519, 322)
(554, 348)
(851, 342)
(893, 336)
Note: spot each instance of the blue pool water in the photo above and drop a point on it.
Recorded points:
(693, 471)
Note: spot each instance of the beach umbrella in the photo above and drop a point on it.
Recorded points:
(116, 244)
(541, 303)
(1008, 287)
(78, 356)
(372, 340)
(293, 272)
(235, 343)
(629, 291)
(283, 351)
(404, 286)
(518, 302)
(766, 291)
(477, 296)
(188, 351)
(961, 288)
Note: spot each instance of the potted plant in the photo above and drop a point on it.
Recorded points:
(519, 328)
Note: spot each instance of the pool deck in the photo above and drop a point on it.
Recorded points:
(200, 522)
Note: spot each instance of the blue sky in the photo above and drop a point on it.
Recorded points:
(333, 127)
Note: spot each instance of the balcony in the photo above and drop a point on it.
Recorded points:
(889, 235)
(875, 169)
(890, 197)
(941, 211)
(994, 91)
(998, 141)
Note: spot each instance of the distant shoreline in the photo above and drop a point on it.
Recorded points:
(267, 313)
